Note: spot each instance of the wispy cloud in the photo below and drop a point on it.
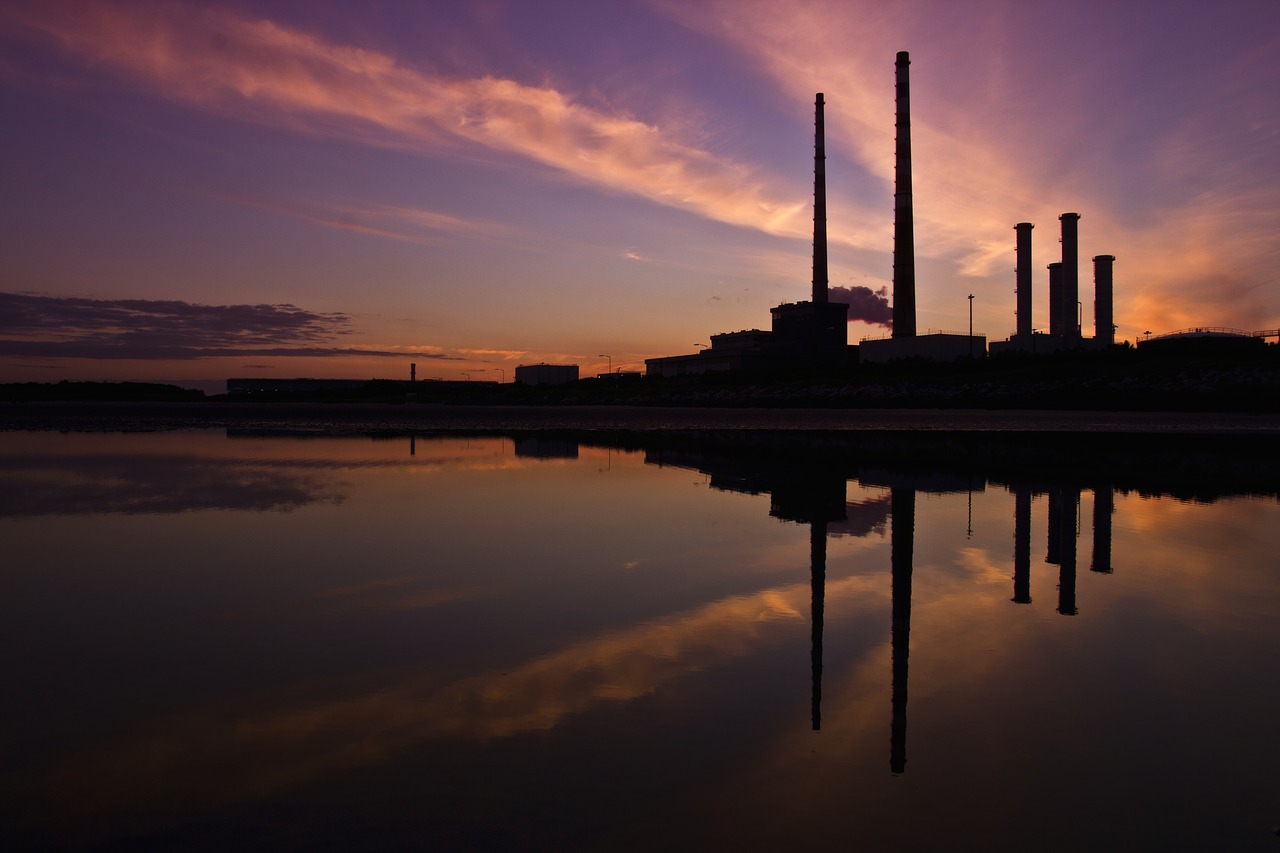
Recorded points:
(259, 70)
(393, 222)
(72, 327)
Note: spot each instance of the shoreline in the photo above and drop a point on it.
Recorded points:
(339, 418)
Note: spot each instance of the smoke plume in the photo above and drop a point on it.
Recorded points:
(869, 306)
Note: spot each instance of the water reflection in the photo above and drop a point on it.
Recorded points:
(487, 622)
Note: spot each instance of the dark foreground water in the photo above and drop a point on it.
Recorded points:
(695, 640)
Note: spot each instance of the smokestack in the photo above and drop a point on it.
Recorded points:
(1055, 299)
(819, 206)
(1070, 275)
(1104, 325)
(904, 243)
(1024, 278)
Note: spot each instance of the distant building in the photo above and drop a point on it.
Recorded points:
(241, 387)
(1205, 341)
(546, 374)
(936, 346)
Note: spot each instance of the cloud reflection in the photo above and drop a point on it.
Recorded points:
(234, 754)
(54, 484)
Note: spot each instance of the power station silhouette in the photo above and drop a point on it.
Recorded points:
(814, 335)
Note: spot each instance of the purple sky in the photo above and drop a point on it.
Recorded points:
(199, 191)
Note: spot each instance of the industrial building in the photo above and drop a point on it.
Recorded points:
(1208, 341)
(546, 374)
(266, 387)
(814, 334)
(1066, 313)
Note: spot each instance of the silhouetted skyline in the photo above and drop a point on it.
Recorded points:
(200, 191)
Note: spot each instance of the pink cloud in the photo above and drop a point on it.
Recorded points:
(261, 71)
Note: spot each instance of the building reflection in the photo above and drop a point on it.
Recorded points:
(808, 485)
(812, 489)
(1064, 509)
(1104, 505)
(1022, 544)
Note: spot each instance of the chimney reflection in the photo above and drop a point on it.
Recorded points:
(901, 548)
(1064, 506)
(1104, 503)
(1022, 545)
(811, 488)
(818, 584)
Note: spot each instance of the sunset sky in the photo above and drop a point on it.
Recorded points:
(190, 192)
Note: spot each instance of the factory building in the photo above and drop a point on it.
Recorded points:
(1207, 341)
(546, 374)
(1066, 314)
(266, 387)
(815, 333)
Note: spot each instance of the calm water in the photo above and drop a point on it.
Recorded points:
(565, 641)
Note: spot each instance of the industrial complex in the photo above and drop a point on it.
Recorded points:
(814, 334)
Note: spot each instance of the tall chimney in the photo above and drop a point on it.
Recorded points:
(904, 243)
(1070, 275)
(1056, 322)
(1104, 324)
(819, 206)
(1024, 278)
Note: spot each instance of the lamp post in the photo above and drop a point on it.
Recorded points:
(502, 373)
(971, 326)
(602, 355)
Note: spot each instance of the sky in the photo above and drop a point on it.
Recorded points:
(196, 191)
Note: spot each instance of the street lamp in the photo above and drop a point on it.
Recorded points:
(503, 374)
(602, 355)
